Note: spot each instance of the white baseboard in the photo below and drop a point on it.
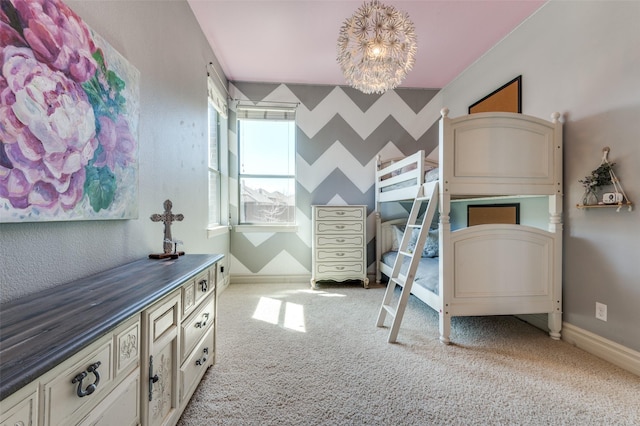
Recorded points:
(224, 284)
(608, 350)
(271, 279)
(275, 279)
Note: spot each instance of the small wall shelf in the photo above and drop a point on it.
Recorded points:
(596, 178)
(609, 206)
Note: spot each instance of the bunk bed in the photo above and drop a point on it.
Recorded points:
(487, 269)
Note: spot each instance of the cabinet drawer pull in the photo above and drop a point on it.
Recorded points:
(340, 240)
(340, 268)
(340, 213)
(203, 324)
(93, 368)
(203, 360)
(340, 226)
(204, 286)
(339, 254)
(153, 378)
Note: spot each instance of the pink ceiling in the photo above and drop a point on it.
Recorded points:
(294, 41)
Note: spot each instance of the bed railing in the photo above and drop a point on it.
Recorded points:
(401, 179)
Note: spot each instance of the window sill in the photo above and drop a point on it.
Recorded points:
(216, 230)
(266, 228)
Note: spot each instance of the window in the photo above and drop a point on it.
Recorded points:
(214, 166)
(266, 140)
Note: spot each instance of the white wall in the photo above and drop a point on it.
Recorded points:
(581, 58)
(163, 40)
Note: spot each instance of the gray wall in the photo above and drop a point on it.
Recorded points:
(581, 59)
(163, 41)
(340, 131)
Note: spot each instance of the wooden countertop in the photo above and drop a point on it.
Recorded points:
(41, 330)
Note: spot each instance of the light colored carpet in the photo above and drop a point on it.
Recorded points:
(316, 358)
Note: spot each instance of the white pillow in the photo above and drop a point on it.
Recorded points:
(397, 232)
(431, 245)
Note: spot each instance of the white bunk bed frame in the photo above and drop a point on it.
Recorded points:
(493, 269)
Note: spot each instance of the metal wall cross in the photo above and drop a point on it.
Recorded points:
(167, 217)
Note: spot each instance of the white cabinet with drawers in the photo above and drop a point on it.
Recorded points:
(21, 408)
(179, 348)
(339, 244)
(124, 347)
(84, 384)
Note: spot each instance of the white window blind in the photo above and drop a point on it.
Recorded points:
(266, 113)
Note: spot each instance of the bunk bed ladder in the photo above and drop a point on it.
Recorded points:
(406, 280)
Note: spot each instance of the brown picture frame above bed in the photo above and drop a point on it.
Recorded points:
(483, 214)
(506, 98)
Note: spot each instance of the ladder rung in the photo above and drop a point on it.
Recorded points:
(405, 253)
(399, 280)
(423, 198)
(390, 310)
(414, 226)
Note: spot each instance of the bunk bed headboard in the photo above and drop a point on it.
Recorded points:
(500, 154)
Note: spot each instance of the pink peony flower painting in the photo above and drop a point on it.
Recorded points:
(69, 107)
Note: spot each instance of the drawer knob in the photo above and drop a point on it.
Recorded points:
(203, 360)
(203, 324)
(93, 368)
(340, 254)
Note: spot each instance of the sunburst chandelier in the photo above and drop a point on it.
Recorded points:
(376, 47)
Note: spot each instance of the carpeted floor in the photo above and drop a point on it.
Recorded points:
(287, 355)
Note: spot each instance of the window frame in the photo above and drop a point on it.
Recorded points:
(213, 222)
(245, 226)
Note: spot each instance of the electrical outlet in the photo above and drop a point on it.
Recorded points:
(601, 311)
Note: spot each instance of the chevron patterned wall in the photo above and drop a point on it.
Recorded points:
(340, 131)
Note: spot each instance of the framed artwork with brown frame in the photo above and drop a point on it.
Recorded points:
(482, 214)
(507, 98)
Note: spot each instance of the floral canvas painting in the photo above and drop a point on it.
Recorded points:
(69, 108)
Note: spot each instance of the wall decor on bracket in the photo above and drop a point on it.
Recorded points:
(70, 119)
(506, 98)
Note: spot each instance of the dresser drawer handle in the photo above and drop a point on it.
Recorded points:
(340, 240)
(340, 213)
(203, 360)
(93, 368)
(203, 324)
(340, 226)
(340, 268)
(204, 286)
(340, 254)
(153, 378)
